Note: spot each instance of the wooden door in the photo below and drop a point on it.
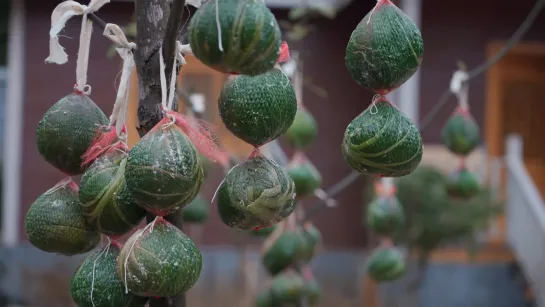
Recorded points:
(516, 104)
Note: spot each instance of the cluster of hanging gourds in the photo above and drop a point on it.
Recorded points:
(384, 51)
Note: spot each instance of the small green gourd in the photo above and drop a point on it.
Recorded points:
(303, 131)
(287, 288)
(197, 211)
(464, 184)
(385, 216)
(305, 176)
(461, 133)
(386, 264)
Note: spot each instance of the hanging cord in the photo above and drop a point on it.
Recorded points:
(61, 14)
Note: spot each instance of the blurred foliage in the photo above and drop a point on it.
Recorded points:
(435, 219)
(298, 25)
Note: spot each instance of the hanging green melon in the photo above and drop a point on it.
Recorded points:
(385, 216)
(262, 232)
(385, 49)
(55, 223)
(96, 283)
(386, 264)
(464, 184)
(164, 171)
(311, 238)
(264, 299)
(460, 133)
(235, 36)
(255, 193)
(258, 109)
(313, 292)
(303, 131)
(305, 176)
(106, 202)
(67, 130)
(159, 261)
(287, 288)
(197, 211)
(382, 141)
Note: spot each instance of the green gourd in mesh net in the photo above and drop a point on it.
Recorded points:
(287, 288)
(385, 215)
(255, 193)
(235, 36)
(385, 49)
(96, 283)
(159, 260)
(385, 264)
(382, 142)
(463, 184)
(258, 109)
(164, 170)
(305, 176)
(303, 131)
(67, 130)
(262, 232)
(460, 133)
(105, 199)
(197, 211)
(55, 222)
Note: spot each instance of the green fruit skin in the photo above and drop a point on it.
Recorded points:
(460, 134)
(258, 109)
(106, 202)
(311, 238)
(313, 292)
(385, 216)
(303, 131)
(67, 130)
(382, 141)
(386, 264)
(287, 288)
(163, 261)
(255, 193)
(55, 224)
(107, 288)
(264, 299)
(384, 50)
(197, 211)
(250, 36)
(262, 232)
(464, 184)
(284, 252)
(164, 171)
(306, 178)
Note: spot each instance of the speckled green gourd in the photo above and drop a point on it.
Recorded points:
(386, 264)
(164, 171)
(96, 283)
(55, 223)
(255, 193)
(382, 141)
(463, 184)
(106, 202)
(159, 261)
(197, 211)
(385, 49)
(250, 36)
(287, 288)
(385, 216)
(258, 109)
(67, 130)
(460, 133)
(262, 232)
(306, 178)
(303, 131)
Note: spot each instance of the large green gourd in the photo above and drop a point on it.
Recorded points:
(385, 216)
(463, 184)
(303, 131)
(96, 283)
(256, 193)
(258, 109)
(105, 199)
(386, 264)
(382, 141)
(67, 130)
(385, 49)
(250, 36)
(197, 211)
(55, 223)
(159, 261)
(164, 171)
(287, 288)
(306, 178)
(460, 133)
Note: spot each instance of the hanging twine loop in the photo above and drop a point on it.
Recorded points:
(125, 51)
(460, 88)
(61, 14)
